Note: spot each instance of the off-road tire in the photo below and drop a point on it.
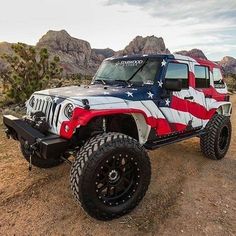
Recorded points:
(215, 142)
(38, 161)
(101, 152)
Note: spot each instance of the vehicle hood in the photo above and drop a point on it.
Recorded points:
(99, 94)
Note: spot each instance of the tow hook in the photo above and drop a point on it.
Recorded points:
(30, 162)
(32, 148)
(66, 160)
(7, 132)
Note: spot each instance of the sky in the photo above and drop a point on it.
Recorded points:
(209, 25)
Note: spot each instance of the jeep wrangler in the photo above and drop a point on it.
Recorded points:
(133, 104)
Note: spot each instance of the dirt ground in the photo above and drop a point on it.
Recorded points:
(188, 195)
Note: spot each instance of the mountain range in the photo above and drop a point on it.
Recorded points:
(77, 56)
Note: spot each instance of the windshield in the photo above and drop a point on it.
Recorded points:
(138, 70)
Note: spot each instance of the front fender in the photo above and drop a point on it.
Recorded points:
(222, 108)
(81, 117)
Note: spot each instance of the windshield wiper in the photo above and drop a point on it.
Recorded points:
(100, 80)
(140, 68)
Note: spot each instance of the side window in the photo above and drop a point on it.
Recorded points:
(218, 79)
(202, 76)
(178, 71)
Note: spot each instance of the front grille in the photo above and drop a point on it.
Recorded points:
(50, 109)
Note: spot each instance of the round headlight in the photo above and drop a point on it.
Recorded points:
(68, 111)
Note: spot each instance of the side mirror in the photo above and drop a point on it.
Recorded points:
(173, 84)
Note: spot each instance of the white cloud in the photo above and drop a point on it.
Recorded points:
(186, 24)
(209, 25)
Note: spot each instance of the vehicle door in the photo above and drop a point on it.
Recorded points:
(201, 96)
(174, 105)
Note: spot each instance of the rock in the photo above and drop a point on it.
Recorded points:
(195, 53)
(107, 52)
(75, 54)
(228, 65)
(145, 45)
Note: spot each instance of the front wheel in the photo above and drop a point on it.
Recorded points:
(215, 142)
(110, 175)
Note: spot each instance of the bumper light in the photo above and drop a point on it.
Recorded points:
(67, 128)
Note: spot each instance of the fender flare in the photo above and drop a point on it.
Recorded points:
(81, 117)
(222, 108)
(142, 127)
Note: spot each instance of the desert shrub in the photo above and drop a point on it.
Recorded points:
(28, 70)
(231, 82)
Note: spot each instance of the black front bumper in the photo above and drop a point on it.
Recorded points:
(48, 146)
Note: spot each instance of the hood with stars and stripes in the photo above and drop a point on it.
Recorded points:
(135, 93)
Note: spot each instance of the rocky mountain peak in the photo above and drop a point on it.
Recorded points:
(75, 54)
(145, 45)
(228, 65)
(228, 60)
(61, 40)
(195, 53)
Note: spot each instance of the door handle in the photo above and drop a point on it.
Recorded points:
(189, 98)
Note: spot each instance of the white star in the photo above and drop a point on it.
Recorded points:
(55, 99)
(160, 83)
(150, 94)
(129, 94)
(106, 93)
(167, 102)
(163, 63)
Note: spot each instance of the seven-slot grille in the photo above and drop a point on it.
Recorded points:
(50, 108)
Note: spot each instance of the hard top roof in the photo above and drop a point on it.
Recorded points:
(167, 56)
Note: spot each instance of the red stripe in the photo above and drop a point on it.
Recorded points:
(207, 63)
(191, 79)
(83, 116)
(193, 108)
(162, 127)
(213, 92)
(177, 127)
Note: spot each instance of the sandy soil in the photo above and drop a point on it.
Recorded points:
(188, 195)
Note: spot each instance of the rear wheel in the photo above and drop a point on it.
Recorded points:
(37, 160)
(110, 175)
(215, 142)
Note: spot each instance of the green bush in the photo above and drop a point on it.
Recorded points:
(28, 70)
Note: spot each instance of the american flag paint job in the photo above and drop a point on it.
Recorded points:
(144, 103)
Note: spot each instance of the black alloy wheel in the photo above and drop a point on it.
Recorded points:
(117, 179)
(110, 175)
